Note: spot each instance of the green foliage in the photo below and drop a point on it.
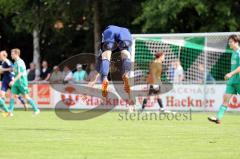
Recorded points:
(189, 16)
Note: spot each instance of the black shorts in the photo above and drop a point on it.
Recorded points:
(154, 91)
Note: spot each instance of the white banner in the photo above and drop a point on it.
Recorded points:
(181, 97)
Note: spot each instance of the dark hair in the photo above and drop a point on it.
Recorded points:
(158, 54)
(234, 37)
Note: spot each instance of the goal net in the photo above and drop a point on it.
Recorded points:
(204, 57)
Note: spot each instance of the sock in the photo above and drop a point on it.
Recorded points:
(22, 100)
(3, 104)
(33, 104)
(144, 103)
(221, 112)
(160, 102)
(11, 107)
(104, 68)
(98, 64)
(126, 65)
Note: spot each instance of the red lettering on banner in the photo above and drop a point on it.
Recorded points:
(43, 94)
(30, 88)
(189, 102)
(234, 104)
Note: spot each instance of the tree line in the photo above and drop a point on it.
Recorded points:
(46, 29)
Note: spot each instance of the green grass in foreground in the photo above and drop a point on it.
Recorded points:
(106, 137)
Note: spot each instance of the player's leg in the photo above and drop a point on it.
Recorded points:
(2, 102)
(108, 45)
(145, 99)
(2, 97)
(124, 45)
(144, 103)
(159, 100)
(25, 92)
(23, 102)
(104, 70)
(13, 96)
(126, 68)
(157, 91)
(32, 103)
(230, 90)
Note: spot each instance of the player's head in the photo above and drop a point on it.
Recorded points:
(233, 41)
(15, 53)
(3, 55)
(160, 55)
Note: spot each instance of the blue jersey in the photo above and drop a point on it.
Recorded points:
(8, 76)
(116, 39)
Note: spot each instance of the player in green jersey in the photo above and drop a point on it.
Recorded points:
(19, 86)
(233, 78)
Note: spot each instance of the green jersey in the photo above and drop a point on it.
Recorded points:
(20, 67)
(235, 63)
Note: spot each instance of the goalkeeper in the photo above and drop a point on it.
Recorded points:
(154, 79)
(114, 39)
(233, 78)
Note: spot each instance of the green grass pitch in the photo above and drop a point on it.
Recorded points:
(106, 137)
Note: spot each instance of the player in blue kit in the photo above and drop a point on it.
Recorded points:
(114, 39)
(7, 77)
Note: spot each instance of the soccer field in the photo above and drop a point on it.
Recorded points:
(46, 136)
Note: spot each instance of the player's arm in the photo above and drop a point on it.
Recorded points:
(19, 75)
(229, 75)
(7, 69)
(16, 78)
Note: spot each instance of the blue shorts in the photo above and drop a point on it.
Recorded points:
(116, 39)
(5, 85)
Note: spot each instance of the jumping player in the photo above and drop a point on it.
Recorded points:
(114, 39)
(233, 78)
(8, 76)
(19, 86)
(154, 78)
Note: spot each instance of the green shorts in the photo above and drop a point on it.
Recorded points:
(233, 89)
(19, 90)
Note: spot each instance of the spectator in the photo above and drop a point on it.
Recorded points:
(56, 76)
(204, 76)
(178, 72)
(33, 73)
(45, 71)
(67, 74)
(80, 75)
(171, 71)
(92, 74)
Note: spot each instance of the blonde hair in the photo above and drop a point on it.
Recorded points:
(16, 51)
